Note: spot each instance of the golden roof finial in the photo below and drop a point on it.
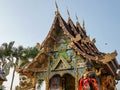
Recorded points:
(77, 21)
(76, 18)
(83, 26)
(68, 13)
(57, 11)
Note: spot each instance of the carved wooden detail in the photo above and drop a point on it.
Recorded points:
(107, 82)
(109, 57)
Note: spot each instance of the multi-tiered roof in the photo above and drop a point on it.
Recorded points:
(80, 42)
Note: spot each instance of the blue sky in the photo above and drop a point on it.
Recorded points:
(28, 21)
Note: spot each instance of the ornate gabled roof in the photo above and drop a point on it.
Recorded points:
(80, 42)
(58, 20)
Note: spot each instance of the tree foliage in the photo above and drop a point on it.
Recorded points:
(18, 55)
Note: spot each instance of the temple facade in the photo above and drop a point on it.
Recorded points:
(69, 60)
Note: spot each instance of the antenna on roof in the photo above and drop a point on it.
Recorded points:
(57, 11)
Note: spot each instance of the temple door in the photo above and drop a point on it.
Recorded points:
(68, 82)
(55, 83)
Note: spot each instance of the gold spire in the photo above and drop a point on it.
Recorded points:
(57, 11)
(76, 18)
(77, 21)
(83, 25)
(68, 14)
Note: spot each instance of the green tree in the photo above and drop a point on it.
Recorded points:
(6, 54)
(6, 51)
(18, 55)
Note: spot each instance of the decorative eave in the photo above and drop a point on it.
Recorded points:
(109, 57)
(109, 60)
(72, 26)
(22, 69)
(80, 29)
(31, 67)
(37, 70)
(86, 42)
(50, 32)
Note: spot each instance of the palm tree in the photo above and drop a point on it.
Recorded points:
(16, 55)
(23, 55)
(19, 55)
(1, 64)
(1, 54)
(8, 49)
(6, 54)
(28, 54)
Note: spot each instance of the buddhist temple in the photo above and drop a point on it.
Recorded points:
(69, 60)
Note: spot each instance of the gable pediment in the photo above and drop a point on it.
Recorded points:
(61, 64)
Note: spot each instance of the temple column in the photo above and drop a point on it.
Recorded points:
(76, 80)
(76, 77)
(47, 75)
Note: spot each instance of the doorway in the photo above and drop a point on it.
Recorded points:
(66, 82)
